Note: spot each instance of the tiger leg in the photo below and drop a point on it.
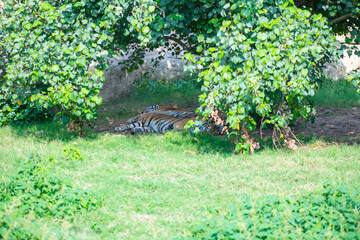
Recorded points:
(141, 129)
(121, 128)
(133, 120)
(128, 127)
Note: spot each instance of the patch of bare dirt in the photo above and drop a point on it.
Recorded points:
(333, 123)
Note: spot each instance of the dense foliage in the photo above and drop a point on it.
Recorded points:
(344, 19)
(259, 61)
(263, 62)
(48, 47)
(343, 16)
(331, 213)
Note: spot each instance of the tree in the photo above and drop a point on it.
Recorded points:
(48, 47)
(259, 61)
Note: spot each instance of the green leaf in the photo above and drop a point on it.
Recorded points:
(84, 91)
(80, 61)
(55, 68)
(200, 38)
(317, 17)
(103, 37)
(250, 63)
(67, 50)
(261, 53)
(226, 23)
(89, 116)
(98, 100)
(78, 113)
(262, 36)
(212, 49)
(27, 25)
(145, 29)
(151, 8)
(304, 72)
(245, 12)
(80, 47)
(45, 6)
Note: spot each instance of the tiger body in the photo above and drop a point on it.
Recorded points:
(161, 119)
(155, 122)
(166, 110)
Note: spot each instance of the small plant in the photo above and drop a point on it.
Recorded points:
(13, 225)
(39, 190)
(333, 213)
(72, 153)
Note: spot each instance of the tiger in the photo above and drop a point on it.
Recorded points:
(176, 112)
(167, 110)
(160, 123)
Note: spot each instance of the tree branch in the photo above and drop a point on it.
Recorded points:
(349, 15)
(183, 45)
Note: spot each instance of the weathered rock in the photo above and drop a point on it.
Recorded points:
(119, 83)
(346, 65)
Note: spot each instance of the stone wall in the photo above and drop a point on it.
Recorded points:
(119, 83)
(346, 64)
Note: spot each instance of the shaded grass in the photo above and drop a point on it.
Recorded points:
(336, 94)
(154, 186)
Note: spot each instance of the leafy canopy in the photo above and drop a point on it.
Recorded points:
(48, 47)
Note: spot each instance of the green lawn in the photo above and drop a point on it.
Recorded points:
(156, 186)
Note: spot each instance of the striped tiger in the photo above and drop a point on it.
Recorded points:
(167, 110)
(176, 112)
(161, 123)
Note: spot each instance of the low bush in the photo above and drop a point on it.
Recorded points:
(13, 225)
(39, 188)
(332, 213)
(72, 153)
(35, 192)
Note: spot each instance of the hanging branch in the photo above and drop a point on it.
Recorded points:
(183, 45)
(336, 20)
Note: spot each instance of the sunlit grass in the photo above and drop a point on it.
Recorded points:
(154, 186)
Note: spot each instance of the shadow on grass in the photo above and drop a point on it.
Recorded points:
(206, 143)
(48, 131)
(306, 140)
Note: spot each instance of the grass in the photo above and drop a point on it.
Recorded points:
(155, 186)
(337, 94)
